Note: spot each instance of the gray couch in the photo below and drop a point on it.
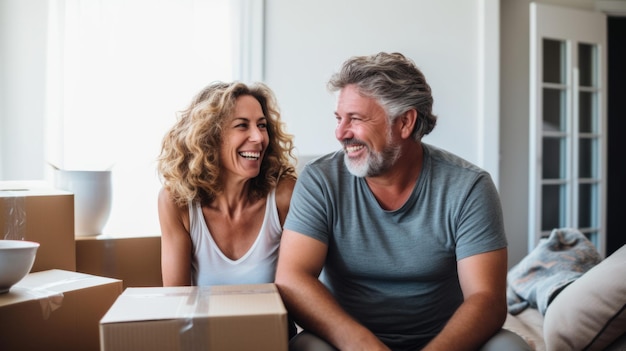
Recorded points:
(584, 311)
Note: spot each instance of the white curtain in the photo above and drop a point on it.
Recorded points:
(118, 72)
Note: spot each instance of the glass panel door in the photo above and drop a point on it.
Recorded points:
(588, 141)
(568, 122)
(555, 136)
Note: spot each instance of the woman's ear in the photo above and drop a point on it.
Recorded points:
(408, 122)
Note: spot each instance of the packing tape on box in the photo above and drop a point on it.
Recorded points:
(197, 302)
(14, 215)
(49, 299)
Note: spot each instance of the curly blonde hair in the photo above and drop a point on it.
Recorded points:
(189, 164)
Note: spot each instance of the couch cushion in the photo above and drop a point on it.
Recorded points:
(590, 313)
(529, 325)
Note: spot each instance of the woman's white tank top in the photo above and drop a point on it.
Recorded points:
(209, 266)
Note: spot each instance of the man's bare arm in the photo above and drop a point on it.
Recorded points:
(313, 307)
(483, 311)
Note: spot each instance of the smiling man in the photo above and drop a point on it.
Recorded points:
(409, 237)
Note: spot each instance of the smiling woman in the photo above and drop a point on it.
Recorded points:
(117, 72)
(227, 172)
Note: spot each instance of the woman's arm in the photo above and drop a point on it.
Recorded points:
(175, 242)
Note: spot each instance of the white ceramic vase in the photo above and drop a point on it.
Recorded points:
(92, 198)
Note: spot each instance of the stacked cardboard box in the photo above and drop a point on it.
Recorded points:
(56, 310)
(219, 318)
(35, 211)
(136, 261)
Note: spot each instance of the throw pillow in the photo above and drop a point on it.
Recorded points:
(590, 313)
(555, 263)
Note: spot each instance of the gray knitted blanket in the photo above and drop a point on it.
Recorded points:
(555, 263)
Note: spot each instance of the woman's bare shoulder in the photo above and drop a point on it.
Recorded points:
(284, 190)
(167, 204)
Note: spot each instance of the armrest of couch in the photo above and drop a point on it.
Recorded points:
(529, 325)
(588, 314)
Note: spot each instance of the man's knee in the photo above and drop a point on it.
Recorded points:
(506, 340)
(306, 341)
(503, 340)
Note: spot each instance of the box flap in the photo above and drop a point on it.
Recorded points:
(29, 188)
(245, 300)
(61, 280)
(50, 284)
(158, 303)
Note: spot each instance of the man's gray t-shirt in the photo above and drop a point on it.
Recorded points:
(395, 271)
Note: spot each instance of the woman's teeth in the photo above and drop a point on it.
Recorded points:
(250, 155)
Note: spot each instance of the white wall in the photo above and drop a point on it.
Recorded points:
(307, 41)
(22, 82)
(455, 43)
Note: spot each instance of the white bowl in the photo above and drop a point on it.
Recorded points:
(16, 260)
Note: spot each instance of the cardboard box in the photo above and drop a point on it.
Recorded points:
(136, 261)
(218, 318)
(35, 211)
(56, 310)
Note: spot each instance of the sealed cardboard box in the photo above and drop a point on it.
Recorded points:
(35, 211)
(56, 310)
(218, 318)
(136, 261)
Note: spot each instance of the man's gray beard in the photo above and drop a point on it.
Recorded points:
(375, 164)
